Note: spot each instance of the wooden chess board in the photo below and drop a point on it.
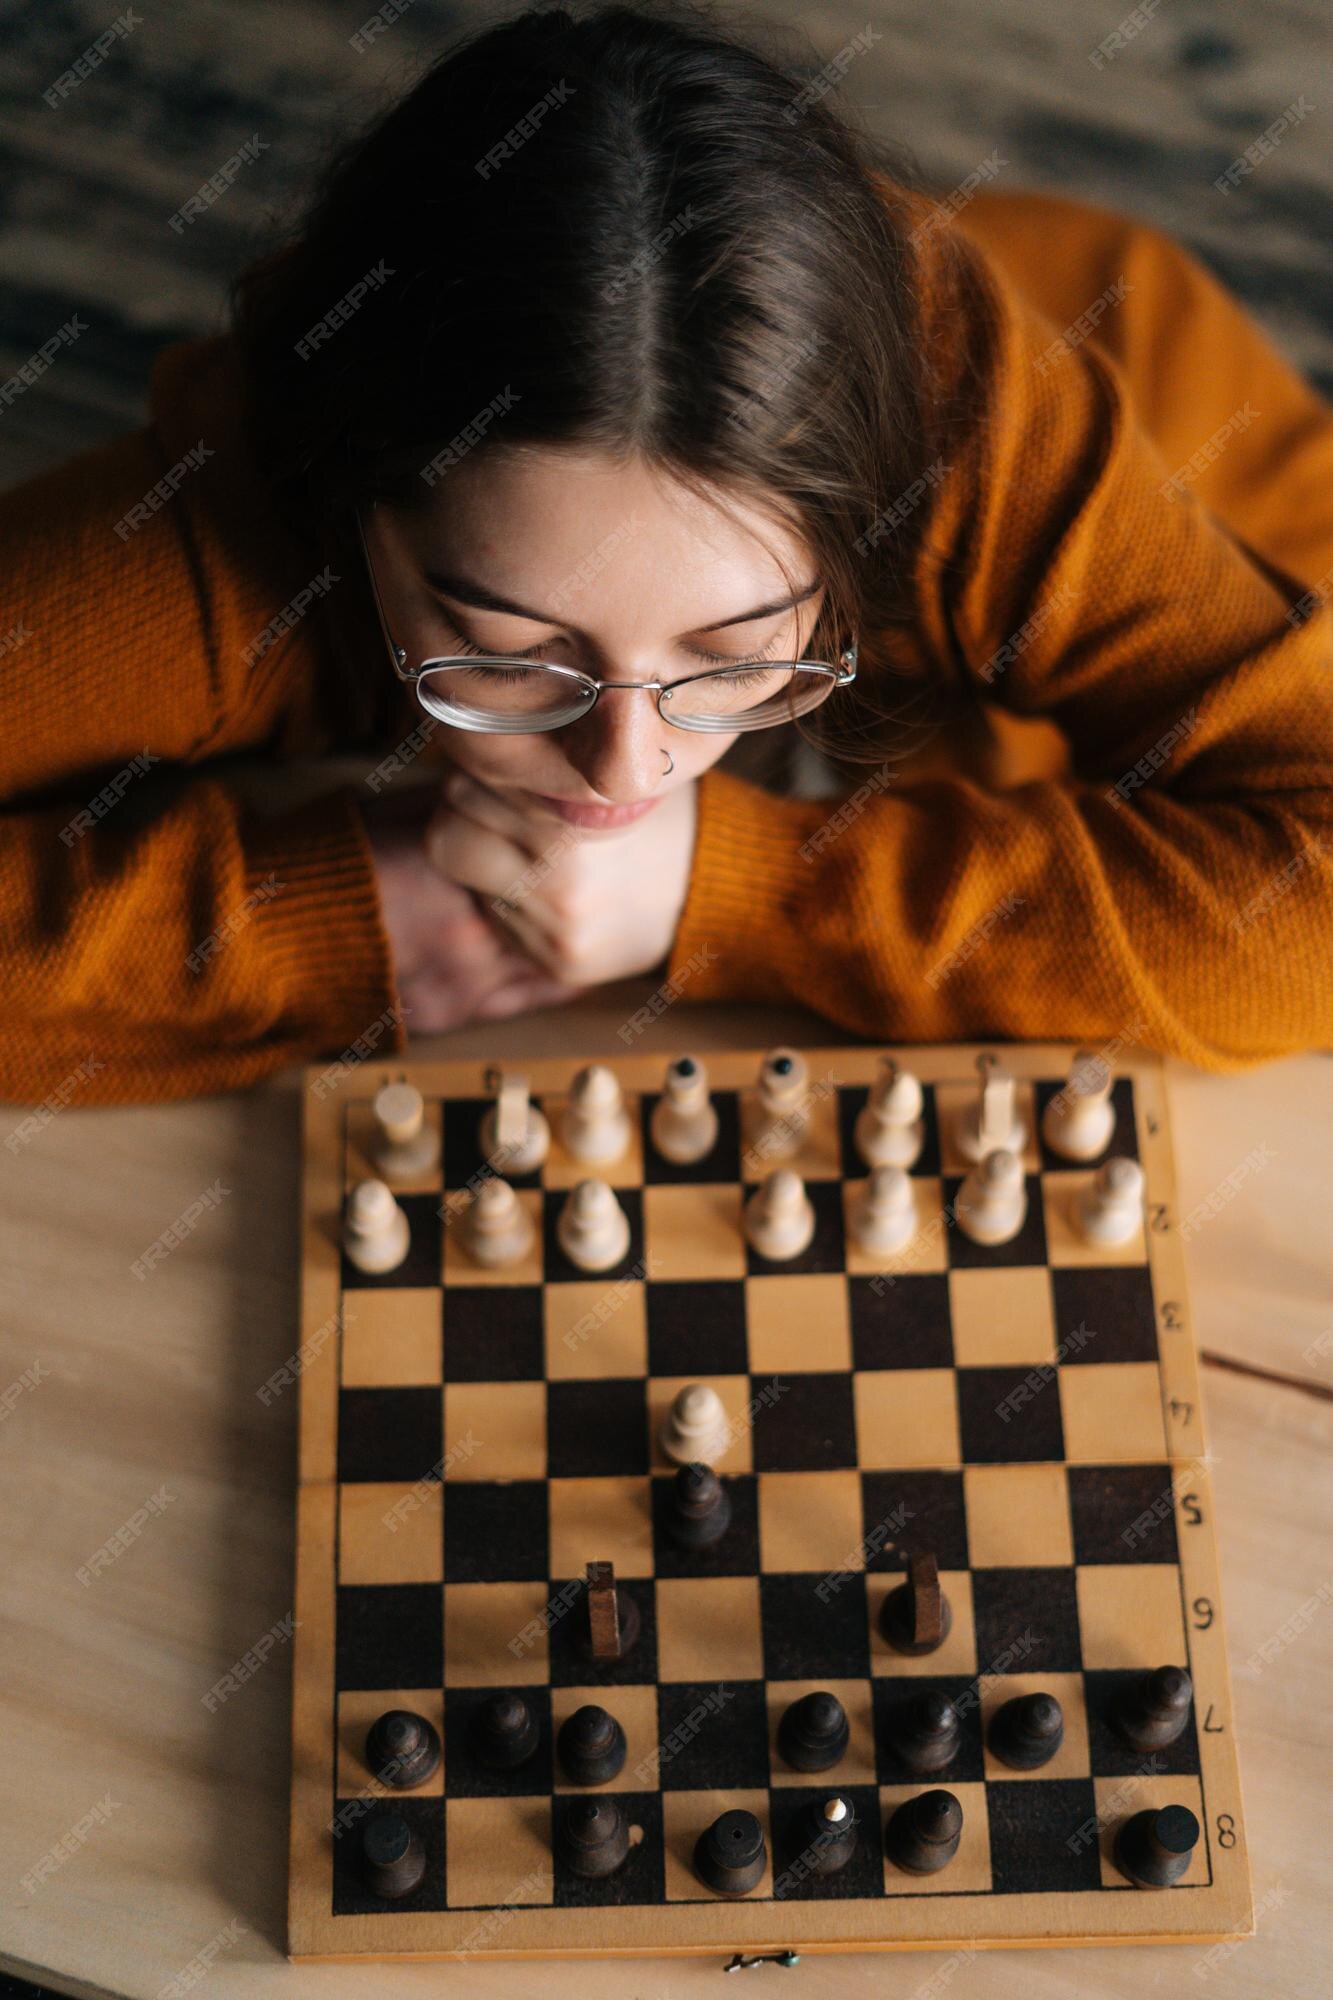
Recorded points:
(471, 1438)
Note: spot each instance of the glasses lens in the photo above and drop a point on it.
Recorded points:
(503, 696)
(746, 697)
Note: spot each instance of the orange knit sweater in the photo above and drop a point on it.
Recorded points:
(1136, 544)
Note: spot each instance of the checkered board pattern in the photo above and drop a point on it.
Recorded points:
(470, 1439)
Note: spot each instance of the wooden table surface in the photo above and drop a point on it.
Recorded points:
(158, 1830)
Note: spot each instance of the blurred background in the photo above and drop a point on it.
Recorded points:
(96, 165)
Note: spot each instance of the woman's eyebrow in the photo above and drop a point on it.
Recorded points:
(464, 591)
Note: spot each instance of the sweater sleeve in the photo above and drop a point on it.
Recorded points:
(1175, 886)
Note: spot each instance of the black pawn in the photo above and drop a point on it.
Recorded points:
(730, 1856)
(924, 1833)
(813, 1732)
(700, 1510)
(591, 1746)
(1025, 1733)
(830, 1829)
(390, 1857)
(594, 1837)
(402, 1749)
(1154, 1711)
(924, 1734)
(1153, 1848)
(504, 1732)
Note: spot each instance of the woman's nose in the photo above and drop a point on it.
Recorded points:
(617, 750)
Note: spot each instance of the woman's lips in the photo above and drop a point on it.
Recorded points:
(595, 816)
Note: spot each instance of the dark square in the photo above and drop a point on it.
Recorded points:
(736, 1553)
(852, 1099)
(713, 1736)
(557, 1266)
(597, 1430)
(350, 1895)
(721, 1163)
(697, 1328)
(1043, 1835)
(463, 1164)
(893, 1697)
(1028, 1247)
(390, 1635)
(638, 1880)
(572, 1665)
(390, 1434)
(465, 1777)
(495, 1532)
(1122, 1514)
(1005, 1416)
(1113, 1306)
(794, 1881)
(421, 1266)
(912, 1514)
(1028, 1617)
(1124, 1138)
(493, 1333)
(1110, 1755)
(802, 1423)
(809, 1637)
(824, 1252)
(901, 1322)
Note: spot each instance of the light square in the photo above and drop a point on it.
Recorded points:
(595, 1331)
(1017, 1516)
(562, 1170)
(391, 1340)
(1118, 1799)
(797, 1322)
(926, 1250)
(734, 1391)
(601, 1520)
(462, 1269)
(391, 1533)
(685, 1815)
(957, 1654)
(818, 1157)
(1002, 1317)
(709, 1629)
(952, 1099)
(1129, 1614)
(1071, 1759)
(497, 1853)
(906, 1417)
(969, 1872)
(362, 1165)
(357, 1709)
(856, 1766)
(1066, 1245)
(693, 1231)
(635, 1709)
(810, 1521)
(1112, 1412)
(495, 1634)
(495, 1430)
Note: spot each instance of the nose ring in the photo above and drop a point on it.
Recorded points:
(670, 762)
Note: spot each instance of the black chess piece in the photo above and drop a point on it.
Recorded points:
(609, 1617)
(390, 1857)
(699, 1512)
(813, 1732)
(1154, 1710)
(504, 1732)
(916, 1616)
(924, 1833)
(402, 1749)
(591, 1746)
(594, 1837)
(1153, 1848)
(730, 1855)
(829, 1831)
(924, 1733)
(1026, 1732)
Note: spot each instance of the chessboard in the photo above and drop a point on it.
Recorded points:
(1008, 1433)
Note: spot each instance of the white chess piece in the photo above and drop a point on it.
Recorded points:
(595, 1128)
(779, 1220)
(779, 1114)
(405, 1144)
(593, 1229)
(375, 1232)
(497, 1228)
(1111, 1209)
(992, 1203)
(684, 1123)
(990, 1123)
(1079, 1120)
(514, 1137)
(696, 1430)
(889, 1131)
(884, 1213)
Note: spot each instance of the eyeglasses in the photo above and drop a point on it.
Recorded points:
(501, 695)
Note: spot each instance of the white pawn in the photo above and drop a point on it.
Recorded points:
(405, 1144)
(779, 1220)
(497, 1229)
(779, 1114)
(593, 1229)
(375, 1232)
(1110, 1211)
(684, 1123)
(514, 1137)
(1079, 1120)
(889, 1131)
(696, 1430)
(992, 1203)
(991, 1123)
(595, 1127)
(884, 1213)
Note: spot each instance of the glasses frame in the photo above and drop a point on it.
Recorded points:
(841, 675)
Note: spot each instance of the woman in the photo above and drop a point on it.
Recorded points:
(617, 407)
